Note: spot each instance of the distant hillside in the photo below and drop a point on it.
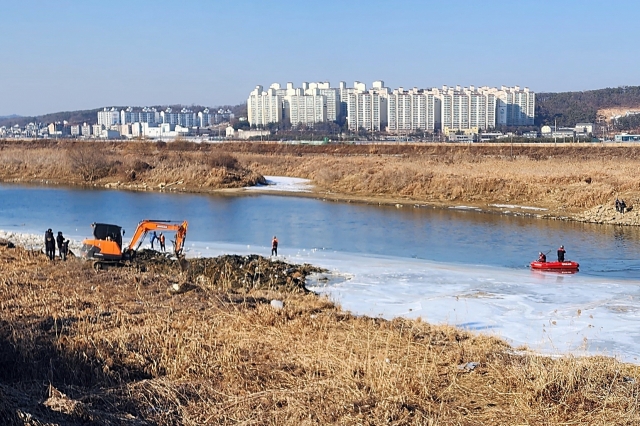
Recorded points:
(91, 115)
(2, 117)
(569, 108)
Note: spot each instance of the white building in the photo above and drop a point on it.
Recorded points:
(367, 109)
(332, 101)
(413, 110)
(264, 107)
(96, 129)
(168, 117)
(186, 118)
(85, 130)
(109, 117)
(308, 107)
(204, 118)
(516, 107)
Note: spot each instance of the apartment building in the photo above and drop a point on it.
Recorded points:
(85, 130)
(264, 107)
(144, 115)
(515, 106)
(399, 111)
(109, 117)
(204, 118)
(367, 109)
(332, 100)
(413, 110)
(306, 107)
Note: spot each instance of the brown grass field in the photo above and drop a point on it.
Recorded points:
(113, 347)
(566, 179)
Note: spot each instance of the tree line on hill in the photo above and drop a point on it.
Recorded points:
(568, 108)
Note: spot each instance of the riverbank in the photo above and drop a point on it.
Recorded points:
(115, 347)
(571, 182)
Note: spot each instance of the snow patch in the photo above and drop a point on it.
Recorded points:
(283, 184)
(514, 206)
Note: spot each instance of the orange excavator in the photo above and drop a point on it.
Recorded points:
(106, 245)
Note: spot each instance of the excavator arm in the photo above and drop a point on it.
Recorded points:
(158, 225)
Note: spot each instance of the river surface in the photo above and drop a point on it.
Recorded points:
(443, 235)
(455, 266)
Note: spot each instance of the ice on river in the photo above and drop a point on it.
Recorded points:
(548, 312)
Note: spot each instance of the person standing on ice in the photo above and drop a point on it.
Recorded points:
(161, 239)
(561, 253)
(274, 246)
(50, 244)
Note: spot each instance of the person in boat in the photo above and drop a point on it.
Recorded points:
(561, 253)
(542, 257)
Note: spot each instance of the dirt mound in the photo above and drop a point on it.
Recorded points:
(231, 271)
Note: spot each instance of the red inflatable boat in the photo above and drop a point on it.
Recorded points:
(555, 266)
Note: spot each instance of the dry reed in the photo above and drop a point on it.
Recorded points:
(113, 347)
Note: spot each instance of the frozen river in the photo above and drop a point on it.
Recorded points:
(453, 266)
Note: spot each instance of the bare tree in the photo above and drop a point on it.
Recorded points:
(87, 161)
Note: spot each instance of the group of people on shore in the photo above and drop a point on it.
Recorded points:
(621, 206)
(50, 245)
(561, 253)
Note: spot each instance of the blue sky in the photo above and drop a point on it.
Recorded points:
(77, 54)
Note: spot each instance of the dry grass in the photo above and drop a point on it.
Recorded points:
(115, 348)
(134, 165)
(567, 179)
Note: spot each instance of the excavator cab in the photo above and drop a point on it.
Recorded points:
(104, 231)
(106, 243)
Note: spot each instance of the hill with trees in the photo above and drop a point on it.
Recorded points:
(569, 108)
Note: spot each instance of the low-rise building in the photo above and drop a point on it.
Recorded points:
(626, 138)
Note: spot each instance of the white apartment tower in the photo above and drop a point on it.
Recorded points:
(332, 99)
(108, 117)
(306, 107)
(413, 110)
(204, 118)
(144, 115)
(264, 107)
(516, 106)
(367, 109)
(467, 108)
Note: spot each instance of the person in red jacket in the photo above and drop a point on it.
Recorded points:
(561, 253)
(542, 257)
(274, 246)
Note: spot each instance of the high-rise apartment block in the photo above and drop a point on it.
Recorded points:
(367, 109)
(109, 117)
(516, 106)
(264, 107)
(397, 111)
(413, 110)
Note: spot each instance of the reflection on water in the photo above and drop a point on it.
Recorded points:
(446, 235)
